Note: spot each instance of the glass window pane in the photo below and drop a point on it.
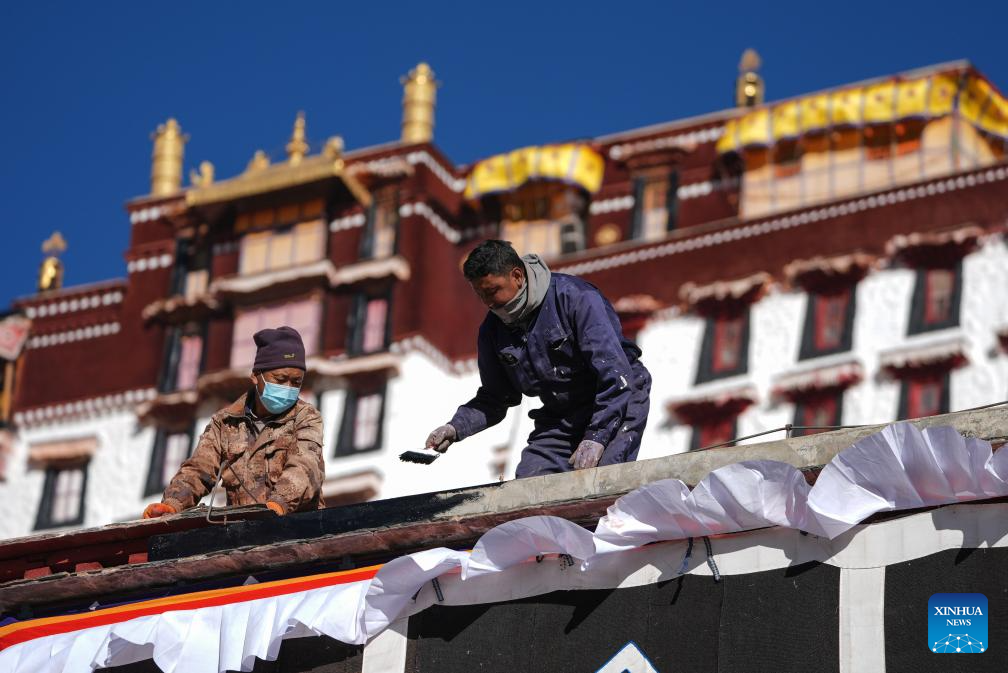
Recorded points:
(374, 326)
(281, 250)
(196, 284)
(253, 253)
(309, 242)
(939, 290)
(189, 362)
(176, 451)
(366, 421)
(66, 495)
(242, 347)
(304, 317)
(384, 230)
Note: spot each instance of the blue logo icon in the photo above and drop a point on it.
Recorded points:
(957, 623)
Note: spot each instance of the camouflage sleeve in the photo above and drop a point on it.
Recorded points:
(301, 479)
(196, 475)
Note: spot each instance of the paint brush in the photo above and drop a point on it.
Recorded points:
(423, 457)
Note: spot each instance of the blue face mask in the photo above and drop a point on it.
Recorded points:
(277, 398)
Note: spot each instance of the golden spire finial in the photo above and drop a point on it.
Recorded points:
(749, 85)
(297, 148)
(204, 177)
(260, 161)
(419, 98)
(333, 148)
(166, 167)
(51, 271)
(750, 61)
(55, 244)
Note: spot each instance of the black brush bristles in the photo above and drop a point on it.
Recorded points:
(421, 457)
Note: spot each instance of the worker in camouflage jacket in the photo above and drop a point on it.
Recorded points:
(267, 446)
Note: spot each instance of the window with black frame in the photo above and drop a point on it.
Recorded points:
(926, 395)
(818, 413)
(713, 432)
(656, 204)
(62, 502)
(725, 348)
(936, 299)
(381, 231)
(370, 327)
(829, 323)
(169, 452)
(360, 430)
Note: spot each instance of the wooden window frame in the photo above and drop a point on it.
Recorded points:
(179, 370)
(155, 482)
(804, 406)
(698, 440)
(640, 185)
(357, 319)
(44, 517)
(389, 198)
(919, 307)
(811, 343)
(290, 234)
(706, 370)
(348, 424)
(312, 338)
(911, 388)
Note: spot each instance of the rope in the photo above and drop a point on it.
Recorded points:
(684, 566)
(710, 560)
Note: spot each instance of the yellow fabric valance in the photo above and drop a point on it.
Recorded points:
(572, 163)
(928, 97)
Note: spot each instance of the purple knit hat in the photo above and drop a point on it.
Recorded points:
(278, 348)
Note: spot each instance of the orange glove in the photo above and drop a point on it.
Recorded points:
(275, 507)
(156, 509)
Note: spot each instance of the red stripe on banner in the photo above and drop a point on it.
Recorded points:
(20, 632)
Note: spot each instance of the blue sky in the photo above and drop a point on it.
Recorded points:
(84, 84)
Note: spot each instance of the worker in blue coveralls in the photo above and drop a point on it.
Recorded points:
(555, 337)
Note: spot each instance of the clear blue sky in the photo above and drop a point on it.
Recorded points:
(84, 84)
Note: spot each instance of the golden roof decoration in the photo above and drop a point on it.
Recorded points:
(205, 175)
(572, 163)
(166, 160)
(418, 103)
(50, 275)
(55, 244)
(259, 161)
(750, 61)
(298, 147)
(927, 97)
(261, 176)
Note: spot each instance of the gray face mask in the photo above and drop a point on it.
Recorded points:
(512, 311)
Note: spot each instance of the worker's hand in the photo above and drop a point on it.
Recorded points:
(156, 509)
(588, 454)
(442, 438)
(275, 507)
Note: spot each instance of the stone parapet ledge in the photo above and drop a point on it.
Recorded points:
(181, 549)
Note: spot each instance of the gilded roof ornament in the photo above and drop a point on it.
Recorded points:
(51, 271)
(297, 148)
(259, 162)
(333, 148)
(166, 164)
(204, 177)
(419, 99)
(749, 87)
(55, 244)
(750, 61)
